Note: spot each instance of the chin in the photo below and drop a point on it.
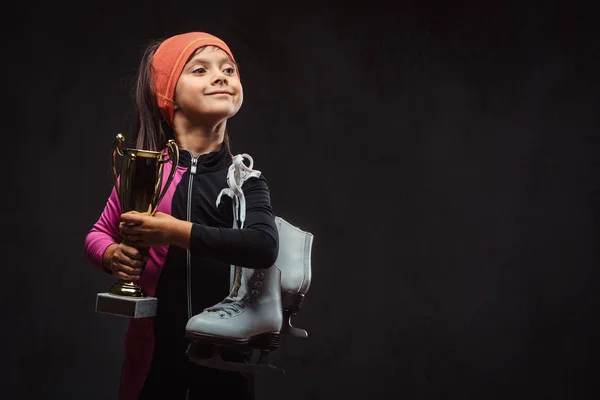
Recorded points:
(223, 112)
(217, 115)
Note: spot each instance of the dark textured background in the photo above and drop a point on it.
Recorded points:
(446, 157)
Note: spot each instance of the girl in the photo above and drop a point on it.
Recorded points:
(188, 86)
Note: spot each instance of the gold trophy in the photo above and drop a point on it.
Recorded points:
(139, 190)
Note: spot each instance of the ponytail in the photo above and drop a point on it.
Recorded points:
(152, 131)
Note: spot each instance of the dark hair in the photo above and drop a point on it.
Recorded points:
(152, 131)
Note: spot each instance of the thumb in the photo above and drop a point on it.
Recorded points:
(132, 217)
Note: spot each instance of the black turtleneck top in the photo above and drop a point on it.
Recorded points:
(192, 280)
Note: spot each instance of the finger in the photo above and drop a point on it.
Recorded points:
(132, 217)
(132, 240)
(126, 277)
(123, 226)
(126, 262)
(129, 229)
(137, 264)
(131, 252)
(129, 270)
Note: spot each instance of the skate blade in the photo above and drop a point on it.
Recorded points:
(216, 362)
(268, 341)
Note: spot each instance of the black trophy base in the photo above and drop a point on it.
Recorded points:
(124, 306)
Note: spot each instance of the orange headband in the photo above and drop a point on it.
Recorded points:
(169, 60)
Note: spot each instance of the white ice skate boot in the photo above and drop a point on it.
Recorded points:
(247, 320)
(294, 261)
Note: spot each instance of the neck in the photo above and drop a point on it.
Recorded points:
(199, 139)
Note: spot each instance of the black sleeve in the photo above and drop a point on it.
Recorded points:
(256, 245)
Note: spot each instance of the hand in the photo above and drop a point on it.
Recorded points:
(144, 230)
(126, 262)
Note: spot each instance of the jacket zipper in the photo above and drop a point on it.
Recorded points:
(189, 254)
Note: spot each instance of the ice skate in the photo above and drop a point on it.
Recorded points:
(295, 246)
(248, 320)
(294, 262)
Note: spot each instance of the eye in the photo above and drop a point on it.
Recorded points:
(230, 70)
(199, 70)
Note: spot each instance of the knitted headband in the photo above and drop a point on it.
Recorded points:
(169, 60)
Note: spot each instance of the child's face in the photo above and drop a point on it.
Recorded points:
(209, 89)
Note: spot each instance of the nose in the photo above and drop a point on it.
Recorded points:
(220, 79)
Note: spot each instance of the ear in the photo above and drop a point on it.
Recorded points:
(175, 106)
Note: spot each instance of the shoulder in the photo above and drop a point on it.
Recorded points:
(244, 165)
(259, 181)
(253, 178)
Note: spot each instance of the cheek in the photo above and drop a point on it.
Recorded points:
(188, 89)
(240, 92)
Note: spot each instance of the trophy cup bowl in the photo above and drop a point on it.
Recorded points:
(139, 189)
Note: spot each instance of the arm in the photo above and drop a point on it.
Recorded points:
(102, 239)
(254, 246)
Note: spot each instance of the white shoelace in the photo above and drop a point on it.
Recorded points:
(228, 306)
(237, 174)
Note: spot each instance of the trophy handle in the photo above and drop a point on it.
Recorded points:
(116, 148)
(173, 156)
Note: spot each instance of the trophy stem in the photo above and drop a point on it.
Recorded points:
(130, 288)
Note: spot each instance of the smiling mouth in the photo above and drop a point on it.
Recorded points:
(213, 93)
